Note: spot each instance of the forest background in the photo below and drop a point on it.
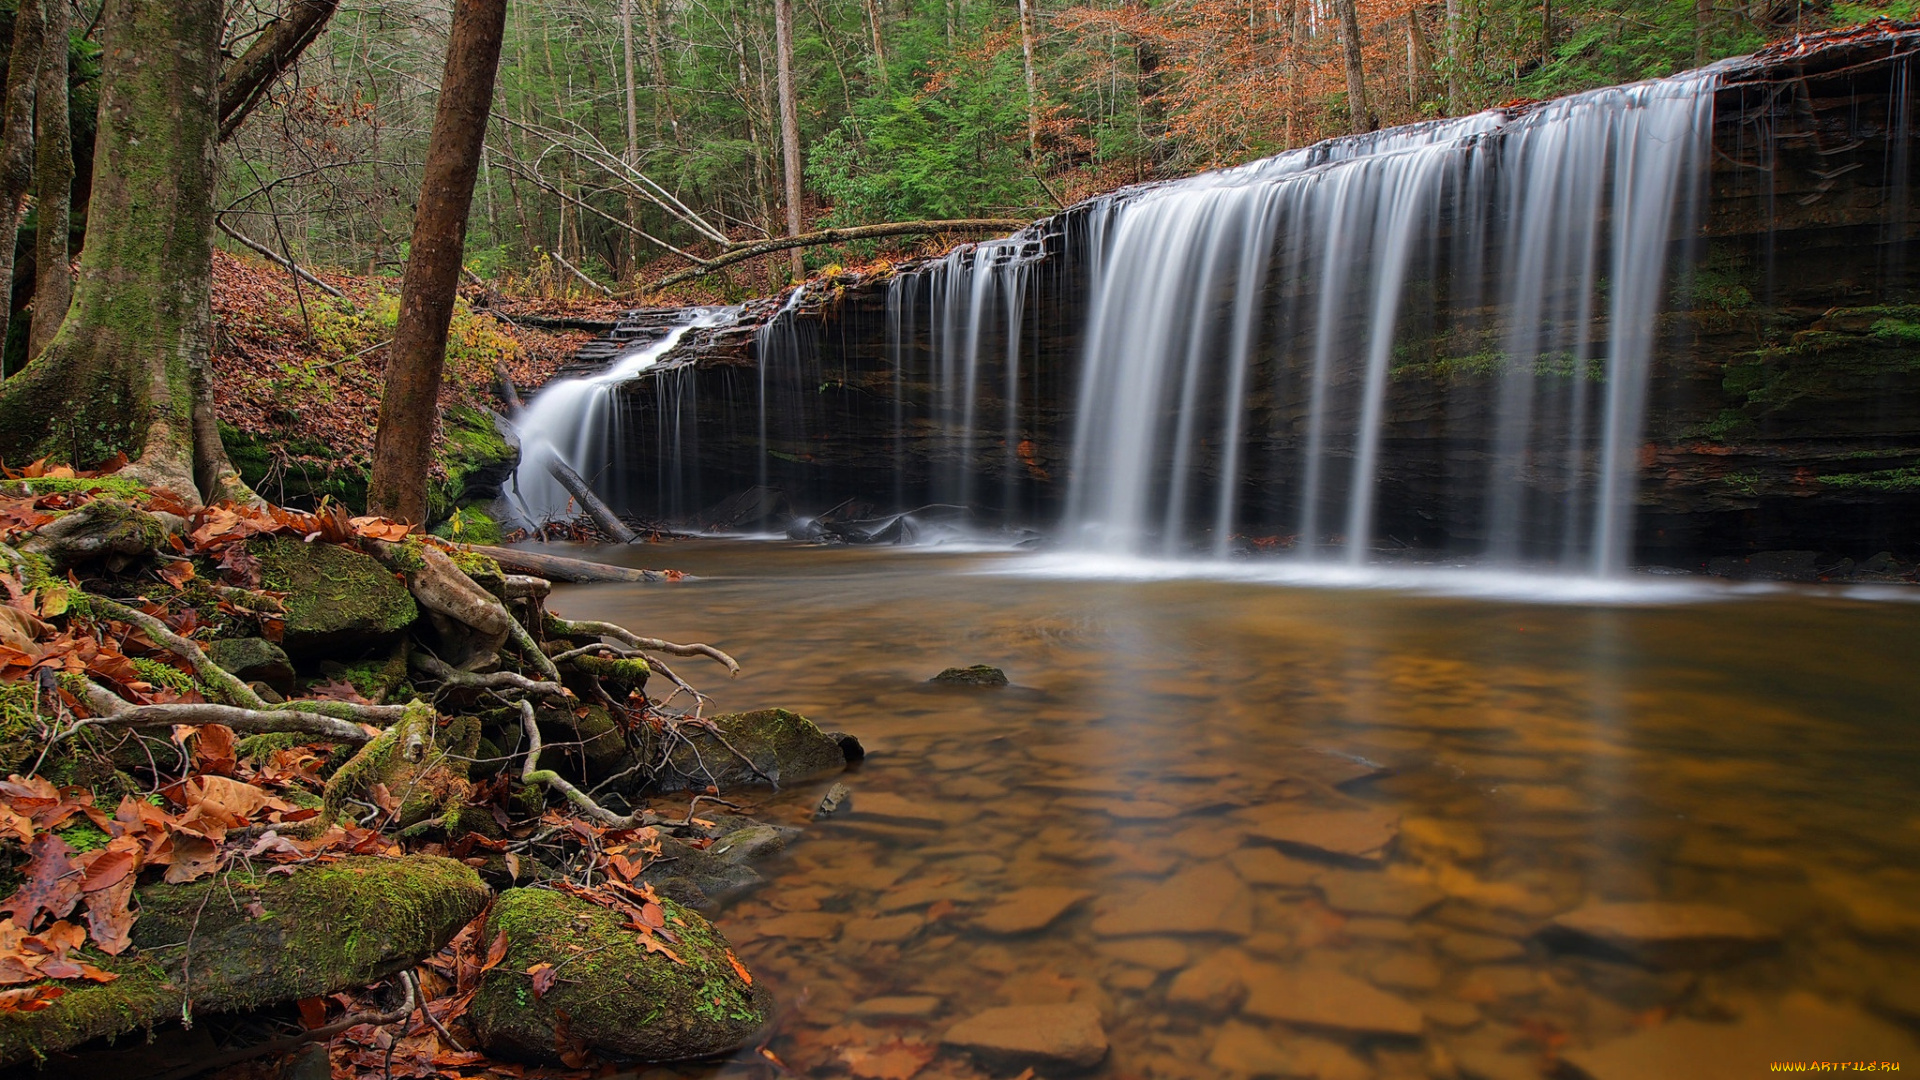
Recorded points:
(629, 134)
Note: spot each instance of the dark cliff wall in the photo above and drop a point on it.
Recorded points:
(1784, 408)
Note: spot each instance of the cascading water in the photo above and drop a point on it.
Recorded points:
(1567, 214)
(1440, 339)
(578, 421)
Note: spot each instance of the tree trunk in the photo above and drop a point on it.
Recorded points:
(879, 44)
(1419, 58)
(409, 410)
(1356, 81)
(53, 179)
(1702, 30)
(16, 143)
(789, 123)
(1456, 82)
(1033, 92)
(123, 373)
(245, 84)
(1546, 31)
(633, 131)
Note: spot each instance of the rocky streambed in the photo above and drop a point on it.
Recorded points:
(1211, 830)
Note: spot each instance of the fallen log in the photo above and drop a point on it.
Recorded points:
(743, 252)
(561, 568)
(602, 516)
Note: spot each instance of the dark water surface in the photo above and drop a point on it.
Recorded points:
(1165, 739)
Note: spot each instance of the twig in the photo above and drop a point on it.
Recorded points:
(294, 1042)
(495, 682)
(594, 628)
(115, 711)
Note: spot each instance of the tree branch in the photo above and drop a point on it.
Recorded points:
(246, 81)
(743, 252)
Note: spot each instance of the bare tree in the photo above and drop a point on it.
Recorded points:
(1356, 75)
(789, 123)
(403, 445)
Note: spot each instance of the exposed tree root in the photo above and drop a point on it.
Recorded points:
(531, 773)
(453, 598)
(111, 710)
(592, 628)
(493, 682)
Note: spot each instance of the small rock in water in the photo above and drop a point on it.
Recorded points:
(1666, 934)
(1154, 954)
(902, 1007)
(1370, 892)
(1327, 999)
(1800, 1028)
(1208, 899)
(1026, 910)
(1243, 1048)
(977, 675)
(1354, 834)
(829, 803)
(1042, 1036)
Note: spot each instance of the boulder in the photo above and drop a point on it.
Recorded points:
(618, 998)
(1040, 1036)
(102, 529)
(765, 747)
(699, 877)
(977, 675)
(319, 930)
(254, 660)
(338, 600)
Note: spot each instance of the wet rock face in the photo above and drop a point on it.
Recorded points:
(1783, 406)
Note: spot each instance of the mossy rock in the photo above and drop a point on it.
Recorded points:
(338, 600)
(782, 746)
(420, 760)
(619, 999)
(323, 929)
(102, 529)
(478, 456)
(977, 675)
(254, 660)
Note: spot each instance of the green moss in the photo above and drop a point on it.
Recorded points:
(259, 748)
(394, 912)
(470, 525)
(420, 762)
(295, 471)
(162, 674)
(336, 598)
(114, 486)
(84, 837)
(19, 728)
(632, 673)
(616, 994)
(471, 446)
(1907, 479)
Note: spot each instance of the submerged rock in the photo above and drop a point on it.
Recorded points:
(977, 675)
(1800, 1028)
(617, 997)
(338, 600)
(317, 931)
(1041, 1036)
(765, 747)
(1663, 934)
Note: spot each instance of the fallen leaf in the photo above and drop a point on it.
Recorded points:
(110, 916)
(313, 1012)
(51, 886)
(496, 952)
(29, 998)
(739, 968)
(544, 976)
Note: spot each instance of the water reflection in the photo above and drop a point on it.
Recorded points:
(1178, 794)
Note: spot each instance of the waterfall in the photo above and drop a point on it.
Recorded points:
(579, 421)
(1437, 337)
(1564, 215)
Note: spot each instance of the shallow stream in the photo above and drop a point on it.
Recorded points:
(1321, 831)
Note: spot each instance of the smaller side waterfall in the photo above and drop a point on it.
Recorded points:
(579, 421)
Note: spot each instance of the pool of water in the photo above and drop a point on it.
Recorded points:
(1333, 832)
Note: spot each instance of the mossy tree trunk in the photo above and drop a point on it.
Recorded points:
(53, 186)
(128, 365)
(16, 140)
